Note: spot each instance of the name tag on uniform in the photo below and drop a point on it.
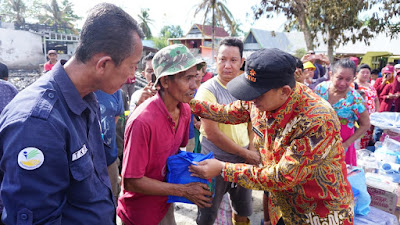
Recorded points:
(259, 133)
(78, 154)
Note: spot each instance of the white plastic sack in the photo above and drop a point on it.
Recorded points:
(386, 120)
(389, 152)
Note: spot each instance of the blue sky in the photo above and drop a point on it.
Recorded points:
(180, 12)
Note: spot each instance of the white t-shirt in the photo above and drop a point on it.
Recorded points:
(134, 99)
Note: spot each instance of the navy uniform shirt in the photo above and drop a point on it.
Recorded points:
(52, 156)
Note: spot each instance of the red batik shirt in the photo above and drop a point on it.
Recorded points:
(302, 157)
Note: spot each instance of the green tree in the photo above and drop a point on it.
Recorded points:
(217, 9)
(160, 42)
(13, 11)
(237, 31)
(63, 15)
(337, 20)
(300, 52)
(171, 31)
(296, 12)
(145, 22)
(388, 9)
(220, 14)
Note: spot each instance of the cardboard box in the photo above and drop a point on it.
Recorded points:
(382, 199)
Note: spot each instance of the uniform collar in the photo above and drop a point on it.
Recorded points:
(75, 102)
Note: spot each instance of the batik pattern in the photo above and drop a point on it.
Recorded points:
(302, 157)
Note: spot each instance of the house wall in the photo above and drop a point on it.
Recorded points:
(250, 39)
(251, 46)
(21, 49)
(250, 43)
(206, 52)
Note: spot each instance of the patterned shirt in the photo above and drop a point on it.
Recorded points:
(370, 95)
(348, 108)
(7, 93)
(302, 157)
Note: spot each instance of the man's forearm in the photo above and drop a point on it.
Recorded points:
(234, 113)
(149, 186)
(198, 193)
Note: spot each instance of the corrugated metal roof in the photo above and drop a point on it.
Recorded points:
(291, 41)
(148, 43)
(288, 42)
(207, 30)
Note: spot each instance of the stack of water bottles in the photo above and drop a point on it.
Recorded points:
(388, 158)
(385, 161)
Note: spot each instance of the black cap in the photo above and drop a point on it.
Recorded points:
(266, 69)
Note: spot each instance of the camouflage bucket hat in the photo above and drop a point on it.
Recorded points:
(173, 59)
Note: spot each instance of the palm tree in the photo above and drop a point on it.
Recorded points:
(56, 15)
(220, 13)
(145, 21)
(236, 31)
(19, 8)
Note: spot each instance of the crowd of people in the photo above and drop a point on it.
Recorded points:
(280, 124)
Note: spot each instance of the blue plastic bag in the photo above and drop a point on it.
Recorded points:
(178, 171)
(357, 181)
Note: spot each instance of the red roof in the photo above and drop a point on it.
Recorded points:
(207, 30)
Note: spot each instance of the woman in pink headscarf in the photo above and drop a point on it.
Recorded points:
(390, 101)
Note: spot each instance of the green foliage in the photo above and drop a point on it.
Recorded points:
(337, 20)
(13, 11)
(300, 53)
(171, 31)
(237, 31)
(145, 22)
(50, 13)
(160, 42)
(61, 15)
(223, 16)
(296, 12)
(389, 9)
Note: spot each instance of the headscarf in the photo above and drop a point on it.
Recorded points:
(396, 84)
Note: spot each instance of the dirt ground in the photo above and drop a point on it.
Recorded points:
(185, 214)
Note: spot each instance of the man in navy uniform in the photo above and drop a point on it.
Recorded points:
(52, 152)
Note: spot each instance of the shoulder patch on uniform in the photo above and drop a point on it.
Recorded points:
(30, 158)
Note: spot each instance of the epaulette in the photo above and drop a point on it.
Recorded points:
(45, 104)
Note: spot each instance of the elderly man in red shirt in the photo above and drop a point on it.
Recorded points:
(156, 130)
